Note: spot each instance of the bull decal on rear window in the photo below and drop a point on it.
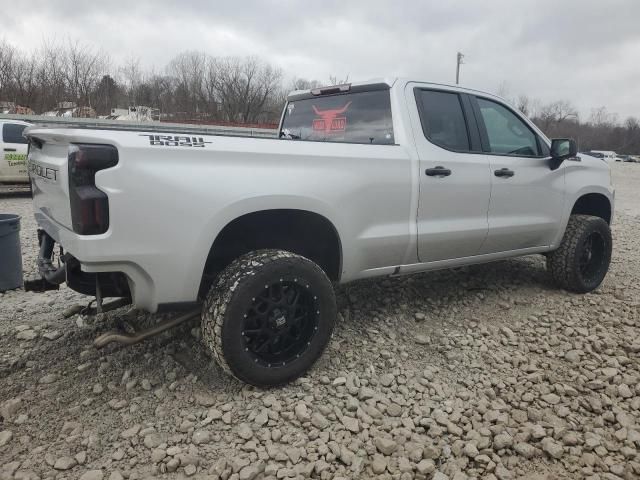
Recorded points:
(330, 121)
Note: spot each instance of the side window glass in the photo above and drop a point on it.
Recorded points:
(507, 133)
(442, 118)
(12, 133)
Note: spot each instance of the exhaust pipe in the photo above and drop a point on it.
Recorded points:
(131, 338)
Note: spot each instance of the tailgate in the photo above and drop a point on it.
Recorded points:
(47, 164)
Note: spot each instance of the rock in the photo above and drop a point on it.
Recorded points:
(507, 332)
(153, 440)
(10, 408)
(422, 339)
(294, 454)
(26, 335)
(551, 448)
(470, 450)
(379, 464)
(130, 432)
(394, 410)
(116, 475)
(47, 379)
(624, 391)
(92, 475)
(570, 439)
(158, 454)
(117, 404)
(249, 472)
(502, 473)
(502, 440)
(537, 432)
(204, 399)
(319, 421)
(573, 356)
(244, 431)
(72, 310)
(302, 412)
(351, 424)
(419, 316)
(339, 381)
(214, 414)
(426, 467)
(439, 476)
(525, 450)
(262, 418)
(65, 463)
(431, 452)
(551, 398)
(190, 470)
(5, 437)
(387, 379)
(52, 335)
(81, 457)
(386, 446)
(201, 436)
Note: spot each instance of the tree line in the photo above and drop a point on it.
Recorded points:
(196, 86)
(602, 130)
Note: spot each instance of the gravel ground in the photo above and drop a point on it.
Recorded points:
(480, 372)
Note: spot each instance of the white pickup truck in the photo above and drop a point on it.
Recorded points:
(368, 179)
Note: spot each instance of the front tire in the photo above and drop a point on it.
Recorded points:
(269, 317)
(582, 260)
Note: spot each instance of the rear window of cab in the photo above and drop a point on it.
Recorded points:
(361, 117)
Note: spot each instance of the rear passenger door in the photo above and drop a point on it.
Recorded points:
(13, 162)
(454, 174)
(527, 197)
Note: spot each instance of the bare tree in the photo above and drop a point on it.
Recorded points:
(523, 104)
(83, 69)
(131, 77)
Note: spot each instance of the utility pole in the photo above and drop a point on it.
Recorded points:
(459, 62)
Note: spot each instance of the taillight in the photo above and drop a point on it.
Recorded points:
(89, 205)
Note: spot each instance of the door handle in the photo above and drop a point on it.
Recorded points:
(9, 149)
(438, 172)
(504, 172)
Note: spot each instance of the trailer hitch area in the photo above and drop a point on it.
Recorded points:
(132, 338)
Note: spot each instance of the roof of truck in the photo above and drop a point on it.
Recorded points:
(390, 82)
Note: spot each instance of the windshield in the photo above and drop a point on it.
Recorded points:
(362, 117)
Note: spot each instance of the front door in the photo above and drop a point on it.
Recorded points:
(13, 159)
(454, 175)
(527, 197)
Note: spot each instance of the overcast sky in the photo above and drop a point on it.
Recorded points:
(585, 51)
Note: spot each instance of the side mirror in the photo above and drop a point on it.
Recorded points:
(561, 149)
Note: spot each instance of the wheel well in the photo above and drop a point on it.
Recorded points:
(299, 231)
(594, 204)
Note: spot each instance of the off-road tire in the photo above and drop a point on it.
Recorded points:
(233, 294)
(564, 263)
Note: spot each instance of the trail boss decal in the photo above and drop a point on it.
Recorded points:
(174, 140)
(329, 121)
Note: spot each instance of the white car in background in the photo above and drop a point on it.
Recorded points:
(13, 153)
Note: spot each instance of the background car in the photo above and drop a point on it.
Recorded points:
(13, 151)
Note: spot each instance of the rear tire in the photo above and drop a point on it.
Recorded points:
(582, 260)
(269, 317)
